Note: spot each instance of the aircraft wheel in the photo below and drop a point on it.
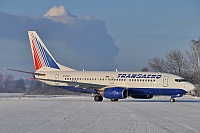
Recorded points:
(98, 98)
(114, 100)
(172, 100)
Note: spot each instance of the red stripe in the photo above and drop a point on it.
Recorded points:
(37, 60)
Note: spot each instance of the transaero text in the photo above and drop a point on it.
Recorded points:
(121, 75)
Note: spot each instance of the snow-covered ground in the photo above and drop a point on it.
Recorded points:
(10, 95)
(184, 97)
(76, 114)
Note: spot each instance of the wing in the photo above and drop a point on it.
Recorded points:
(77, 84)
(70, 83)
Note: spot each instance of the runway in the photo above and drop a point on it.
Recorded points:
(83, 115)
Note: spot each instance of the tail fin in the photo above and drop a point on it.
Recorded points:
(41, 56)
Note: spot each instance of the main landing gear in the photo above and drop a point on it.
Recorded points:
(114, 100)
(172, 100)
(98, 98)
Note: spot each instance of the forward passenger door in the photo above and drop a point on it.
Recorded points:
(57, 78)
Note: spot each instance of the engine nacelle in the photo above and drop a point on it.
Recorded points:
(142, 96)
(115, 93)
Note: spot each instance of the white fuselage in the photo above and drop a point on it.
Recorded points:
(123, 79)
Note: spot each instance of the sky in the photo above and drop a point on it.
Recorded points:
(105, 34)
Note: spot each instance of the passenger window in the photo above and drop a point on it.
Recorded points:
(180, 80)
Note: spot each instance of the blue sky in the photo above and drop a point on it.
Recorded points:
(141, 29)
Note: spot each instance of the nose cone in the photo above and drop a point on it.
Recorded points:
(189, 87)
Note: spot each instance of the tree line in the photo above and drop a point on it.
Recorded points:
(185, 64)
(31, 87)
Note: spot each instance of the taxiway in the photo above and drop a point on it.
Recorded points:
(83, 114)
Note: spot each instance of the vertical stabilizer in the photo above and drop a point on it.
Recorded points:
(41, 56)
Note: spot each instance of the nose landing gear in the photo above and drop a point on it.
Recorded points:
(172, 100)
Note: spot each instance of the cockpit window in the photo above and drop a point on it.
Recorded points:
(180, 80)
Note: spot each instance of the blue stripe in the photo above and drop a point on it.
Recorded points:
(42, 52)
(49, 62)
(156, 91)
(134, 91)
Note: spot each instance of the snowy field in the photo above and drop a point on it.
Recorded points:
(77, 114)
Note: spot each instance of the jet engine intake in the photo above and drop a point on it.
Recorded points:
(115, 93)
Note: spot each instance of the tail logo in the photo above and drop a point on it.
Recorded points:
(41, 56)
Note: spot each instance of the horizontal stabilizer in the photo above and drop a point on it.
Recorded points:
(33, 73)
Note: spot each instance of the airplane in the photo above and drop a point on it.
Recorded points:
(113, 85)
